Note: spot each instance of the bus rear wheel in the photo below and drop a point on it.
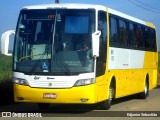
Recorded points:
(107, 103)
(145, 93)
(43, 105)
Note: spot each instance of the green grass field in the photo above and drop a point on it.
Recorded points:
(5, 67)
(6, 86)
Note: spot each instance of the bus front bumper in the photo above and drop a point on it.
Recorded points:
(75, 95)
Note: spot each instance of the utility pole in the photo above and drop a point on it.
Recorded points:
(57, 1)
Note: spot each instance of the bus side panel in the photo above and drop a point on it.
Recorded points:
(101, 88)
(151, 66)
(128, 81)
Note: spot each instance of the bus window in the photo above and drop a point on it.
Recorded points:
(131, 34)
(150, 39)
(153, 40)
(102, 26)
(113, 31)
(123, 35)
(147, 44)
(139, 36)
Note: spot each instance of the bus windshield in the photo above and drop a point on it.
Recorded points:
(54, 41)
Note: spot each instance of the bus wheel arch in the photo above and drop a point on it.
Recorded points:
(113, 83)
(111, 94)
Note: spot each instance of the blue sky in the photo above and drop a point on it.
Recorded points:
(149, 10)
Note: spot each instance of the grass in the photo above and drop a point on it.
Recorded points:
(6, 86)
(5, 67)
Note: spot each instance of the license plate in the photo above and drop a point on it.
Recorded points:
(49, 95)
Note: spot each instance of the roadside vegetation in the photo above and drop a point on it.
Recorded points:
(5, 67)
(6, 87)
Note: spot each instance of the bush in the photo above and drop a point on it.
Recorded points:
(5, 67)
(6, 86)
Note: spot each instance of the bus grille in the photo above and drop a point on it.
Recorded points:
(51, 84)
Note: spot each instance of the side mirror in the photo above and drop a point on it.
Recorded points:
(95, 43)
(5, 42)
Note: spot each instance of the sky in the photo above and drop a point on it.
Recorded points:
(147, 10)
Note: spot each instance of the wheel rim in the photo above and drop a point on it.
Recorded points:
(146, 89)
(107, 103)
(111, 93)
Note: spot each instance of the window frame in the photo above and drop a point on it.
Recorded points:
(129, 45)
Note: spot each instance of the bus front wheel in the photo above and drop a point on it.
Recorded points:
(107, 103)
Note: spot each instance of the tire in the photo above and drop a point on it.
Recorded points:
(145, 93)
(105, 105)
(43, 105)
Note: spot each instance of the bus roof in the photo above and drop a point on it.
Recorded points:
(131, 18)
(89, 6)
(67, 6)
(117, 13)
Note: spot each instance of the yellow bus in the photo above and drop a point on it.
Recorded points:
(81, 54)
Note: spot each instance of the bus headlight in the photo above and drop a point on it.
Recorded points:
(20, 81)
(83, 82)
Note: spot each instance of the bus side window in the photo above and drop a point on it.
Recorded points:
(153, 40)
(102, 26)
(136, 36)
(131, 34)
(123, 34)
(147, 44)
(150, 39)
(139, 37)
(113, 31)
